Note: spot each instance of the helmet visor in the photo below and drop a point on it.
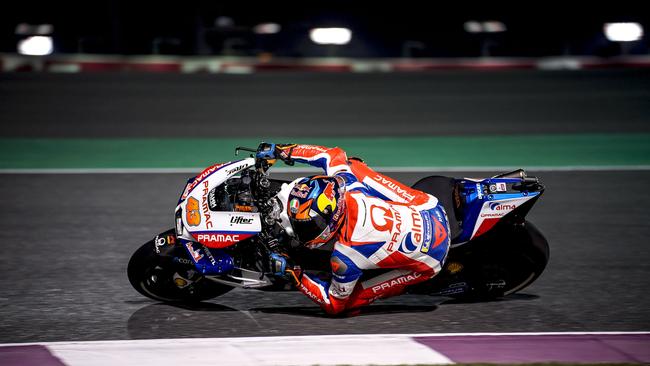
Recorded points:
(308, 230)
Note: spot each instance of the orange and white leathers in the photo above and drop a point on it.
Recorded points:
(387, 225)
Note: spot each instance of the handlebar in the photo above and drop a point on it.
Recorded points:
(260, 189)
(266, 154)
(242, 148)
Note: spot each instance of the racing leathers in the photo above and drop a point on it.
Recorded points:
(387, 225)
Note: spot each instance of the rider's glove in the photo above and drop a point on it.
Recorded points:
(282, 266)
(279, 263)
(283, 152)
(265, 151)
(275, 151)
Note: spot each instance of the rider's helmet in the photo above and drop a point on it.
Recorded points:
(316, 209)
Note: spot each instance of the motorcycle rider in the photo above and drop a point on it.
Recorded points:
(374, 222)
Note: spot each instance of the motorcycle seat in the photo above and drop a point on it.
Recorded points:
(443, 189)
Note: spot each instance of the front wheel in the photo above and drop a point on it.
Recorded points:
(158, 278)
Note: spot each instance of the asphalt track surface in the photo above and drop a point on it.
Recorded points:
(66, 240)
(324, 104)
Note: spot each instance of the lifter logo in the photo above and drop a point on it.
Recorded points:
(241, 220)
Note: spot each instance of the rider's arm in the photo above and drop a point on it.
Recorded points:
(332, 160)
(389, 189)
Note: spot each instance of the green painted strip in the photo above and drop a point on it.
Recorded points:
(536, 150)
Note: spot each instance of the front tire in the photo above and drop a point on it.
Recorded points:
(158, 278)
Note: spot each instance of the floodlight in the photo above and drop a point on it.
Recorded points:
(35, 46)
(473, 26)
(490, 26)
(338, 36)
(26, 29)
(267, 28)
(44, 29)
(623, 32)
(493, 26)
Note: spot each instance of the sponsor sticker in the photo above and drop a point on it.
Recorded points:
(241, 220)
(235, 169)
(393, 186)
(205, 206)
(498, 209)
(204, 174)
(454, 267)
(293, 206)
(210, 256)
(180, 282)
(212, 200)
(196, 254)
(427, 233)
(327, 199)
(159, 243)
(300, 190)
(396, 281)
(162, 241)
(227, 238)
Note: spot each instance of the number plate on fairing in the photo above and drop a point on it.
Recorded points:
(222, 229)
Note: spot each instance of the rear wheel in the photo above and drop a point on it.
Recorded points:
(158, 278)
(502, 262)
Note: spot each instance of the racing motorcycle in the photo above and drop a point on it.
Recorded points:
(228, 214)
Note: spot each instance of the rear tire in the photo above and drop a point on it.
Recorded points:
(510, 259)
(153, 276)
(503, 261)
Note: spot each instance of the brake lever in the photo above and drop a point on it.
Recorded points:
(242, 148)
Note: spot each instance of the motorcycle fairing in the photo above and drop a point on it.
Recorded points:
(486, 202)
(228, 228)
(206, 260)
(210, 228)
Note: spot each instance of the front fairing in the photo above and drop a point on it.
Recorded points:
(196, 222)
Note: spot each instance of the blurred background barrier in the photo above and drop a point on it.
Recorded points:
(243, 65)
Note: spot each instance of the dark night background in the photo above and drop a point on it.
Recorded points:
(390, 29)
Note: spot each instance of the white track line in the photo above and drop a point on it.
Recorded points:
(363, 349)
(413, 169)
(307, 350)
(317, 337)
